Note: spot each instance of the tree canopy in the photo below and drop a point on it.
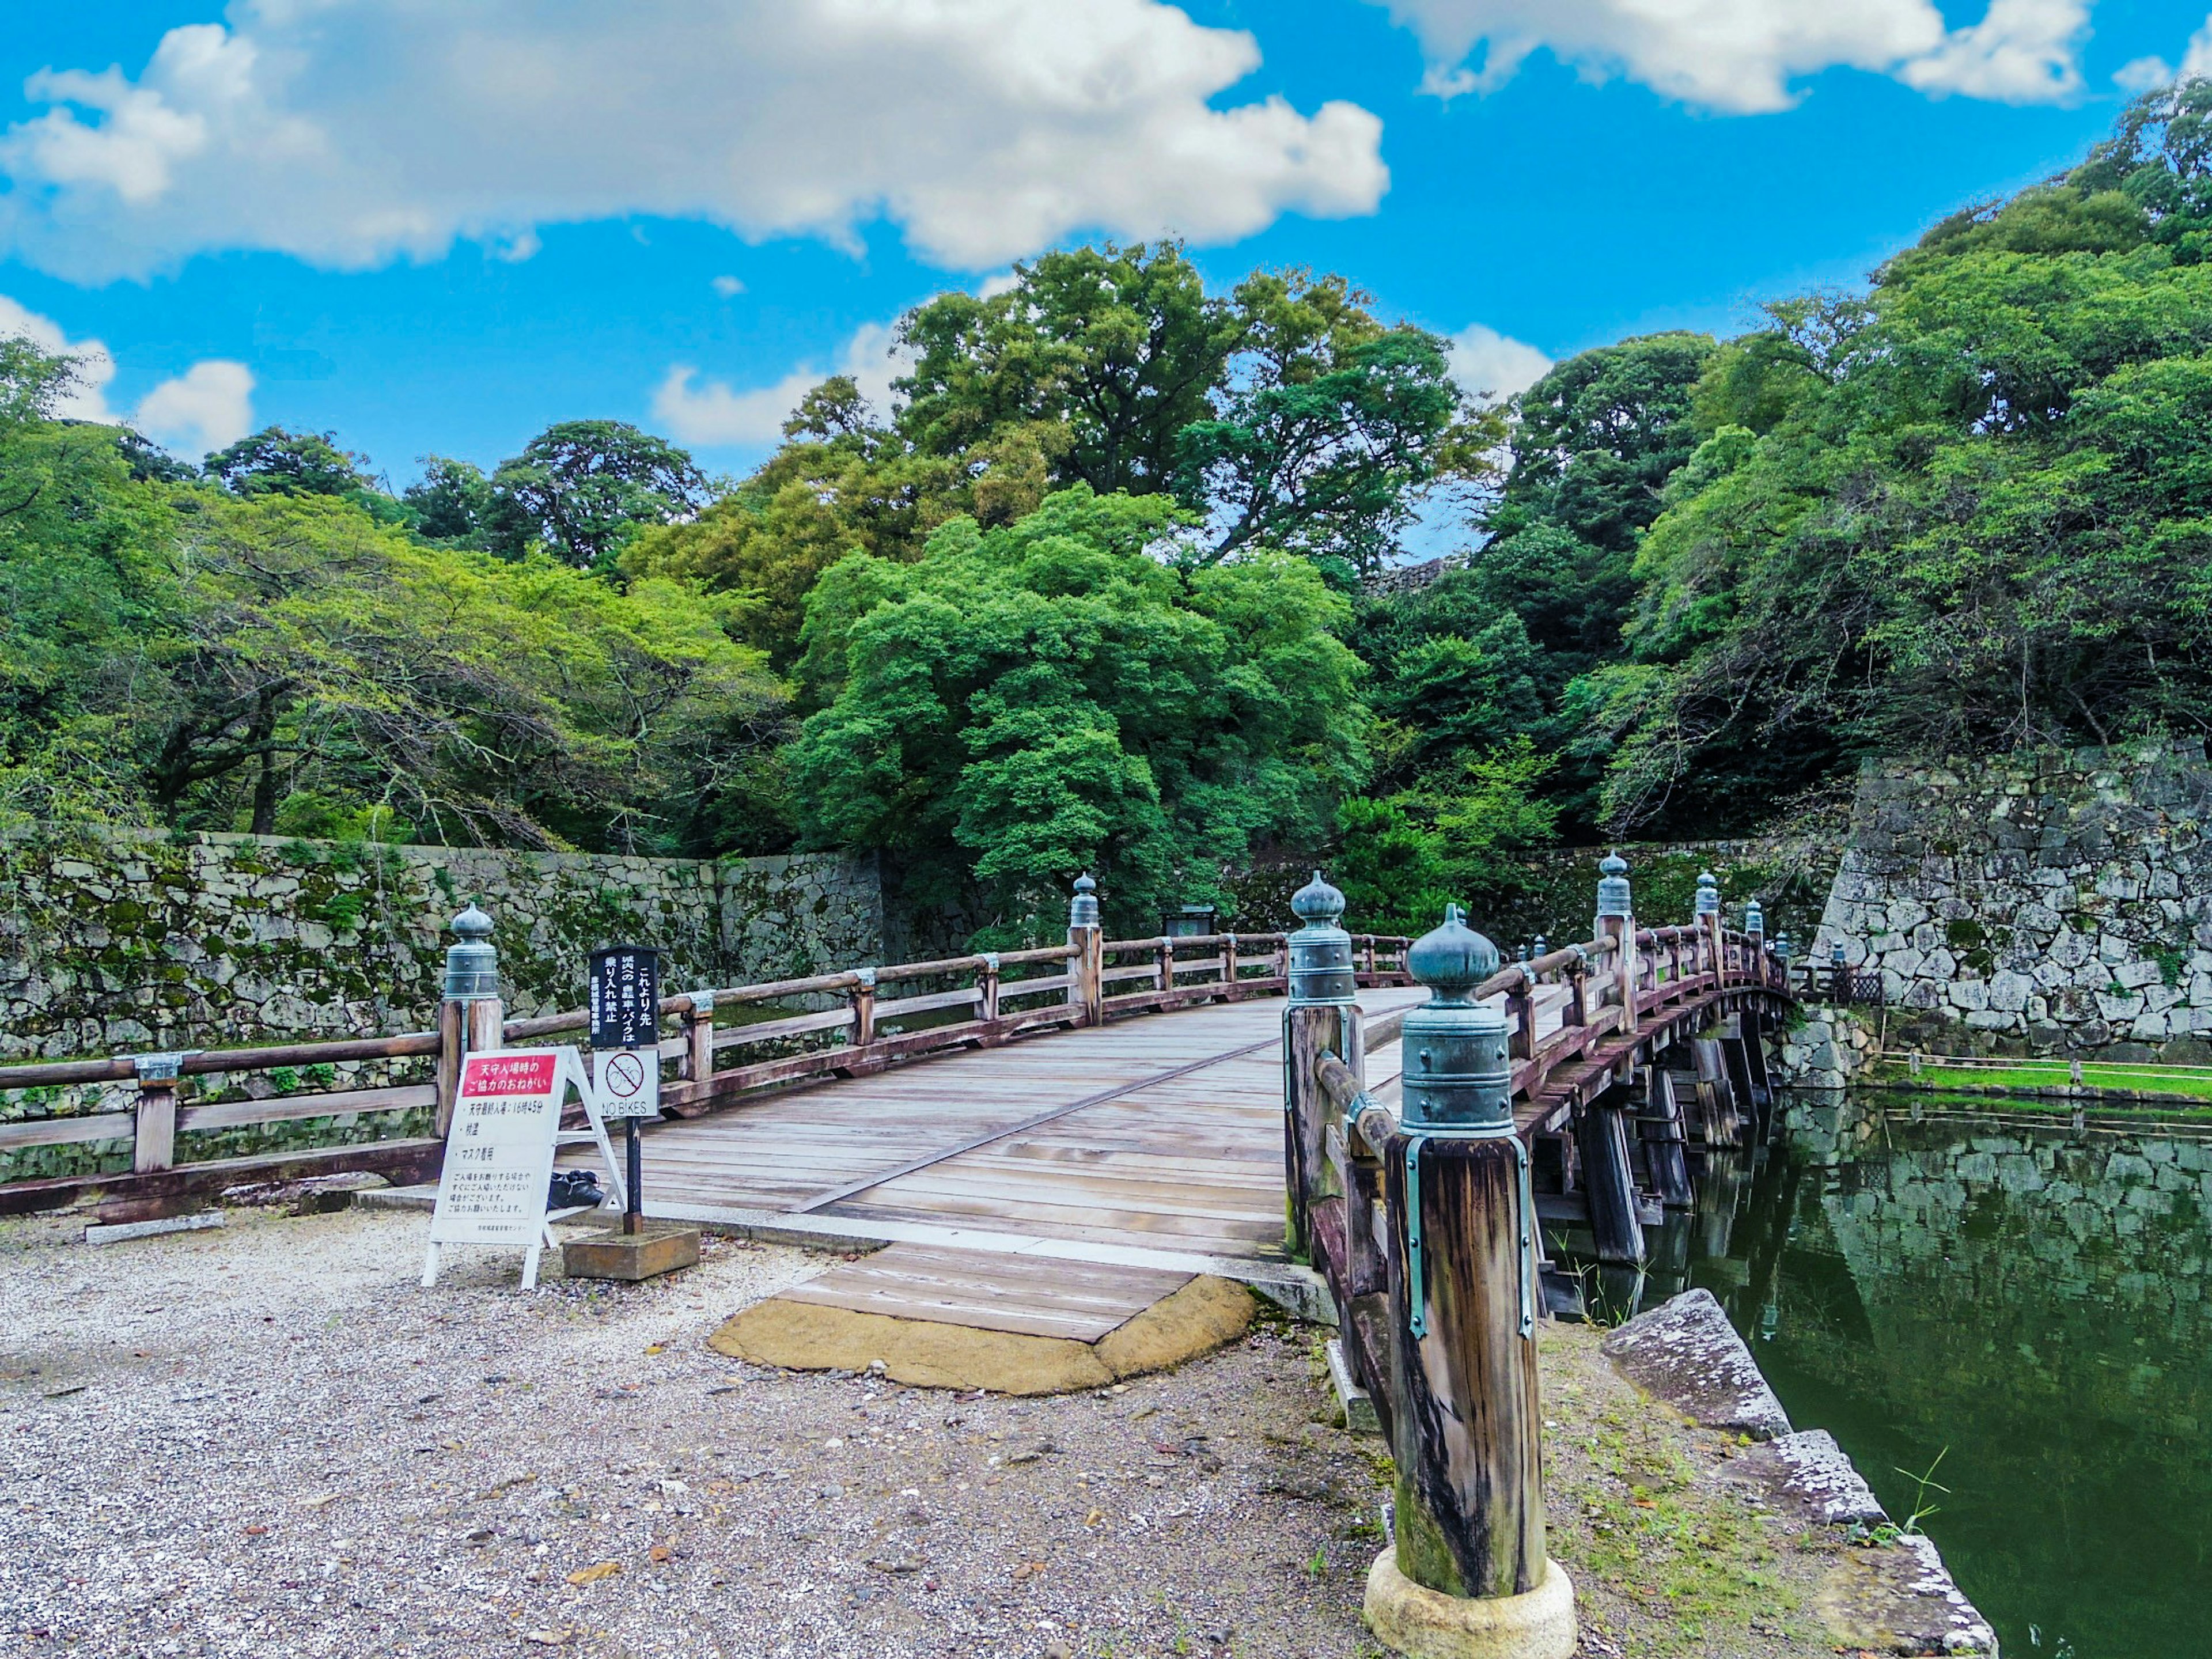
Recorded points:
(1076, 691)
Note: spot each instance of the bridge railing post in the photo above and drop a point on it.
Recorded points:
(471, 1016)
(1616, 921)
(699, 1036)
(862, 998)
(1711, 940)
(986, 989)
(1321, 1018)
(1465, 1419)
(154, 1133)
(1087, 961)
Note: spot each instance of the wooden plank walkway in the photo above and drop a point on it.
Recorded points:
(1164, 1131)
(1050, 1186)
(1079, 1301)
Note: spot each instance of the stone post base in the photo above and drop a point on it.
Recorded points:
(660, 1246)
(1426, 1624)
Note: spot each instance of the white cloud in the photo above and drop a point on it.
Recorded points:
(728, 287)
(2142, 74)
(351, 132)
(2149, 74)
(2198, 60)
(1493, 367)
(209, 405)
(2024, 51)
(697, 410)
(1742, 56)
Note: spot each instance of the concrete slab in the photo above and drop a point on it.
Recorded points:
(120, 1232)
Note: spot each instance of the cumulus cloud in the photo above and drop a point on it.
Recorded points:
(1493, 367)
(728, 287)
(698, 410)
(2023, 52)
(1742, 57)
(209, 405)
(2142, 74)
(2198, 60)
(351, 132)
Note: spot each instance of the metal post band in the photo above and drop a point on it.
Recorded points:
(1417, 1286)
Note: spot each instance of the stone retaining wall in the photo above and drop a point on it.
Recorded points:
(123, 941)
(2043, 903)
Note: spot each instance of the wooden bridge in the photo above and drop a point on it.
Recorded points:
(1103, 1105)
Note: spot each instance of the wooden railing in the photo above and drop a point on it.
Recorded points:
(718, 1046)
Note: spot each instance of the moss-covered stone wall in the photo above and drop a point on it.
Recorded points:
(114, 942)
(2046, 903)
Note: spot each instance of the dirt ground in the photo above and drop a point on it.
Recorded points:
(267, 1439)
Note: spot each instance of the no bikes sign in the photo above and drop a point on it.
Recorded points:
(629, 1082)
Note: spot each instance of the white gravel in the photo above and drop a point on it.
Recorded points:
(268, 1439)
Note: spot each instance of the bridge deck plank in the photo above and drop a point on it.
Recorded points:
(1077, 1300)
(1191, 1162)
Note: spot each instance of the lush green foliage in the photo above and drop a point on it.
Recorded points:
(1076, 691)
(1284, 413)
(1964, 511)
(278, 659)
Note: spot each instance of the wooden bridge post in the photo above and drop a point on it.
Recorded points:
(1616, 920)
(862, 997)
(1321, 1019)
(1521, 1016)
(986, 989)
(471, 1016)
(1711, 937)
(153, 1135)
(1086, 962)
(1466, 1422)
(699, 1037)
(1608, 1182)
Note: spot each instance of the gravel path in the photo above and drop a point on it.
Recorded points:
(268, 1439)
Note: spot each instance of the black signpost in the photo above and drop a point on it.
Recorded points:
(625, 1010)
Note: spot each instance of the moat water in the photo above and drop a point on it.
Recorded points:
(2028, 1303)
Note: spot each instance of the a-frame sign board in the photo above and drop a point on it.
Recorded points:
(499, 1156)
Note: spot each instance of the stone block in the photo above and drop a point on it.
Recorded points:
(658, 1247)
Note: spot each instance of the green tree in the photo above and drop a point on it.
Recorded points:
(452, 501)
(1454, 836)
(276, 461)
(87, 598)
(1074, 691)
(1963, 514)
(1330, 429)
(1112, 350)
(580, 489)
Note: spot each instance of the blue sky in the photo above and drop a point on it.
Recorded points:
(438, 227)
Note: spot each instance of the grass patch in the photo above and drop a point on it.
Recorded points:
(2172, 1082)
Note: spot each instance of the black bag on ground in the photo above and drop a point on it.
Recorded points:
(575, 1189)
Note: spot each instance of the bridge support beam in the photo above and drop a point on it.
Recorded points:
(1664, 1155)
(1609, 1183)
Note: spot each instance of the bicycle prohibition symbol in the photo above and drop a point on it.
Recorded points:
(625, 1076)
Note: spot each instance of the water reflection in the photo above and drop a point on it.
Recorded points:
(2031, 1298)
